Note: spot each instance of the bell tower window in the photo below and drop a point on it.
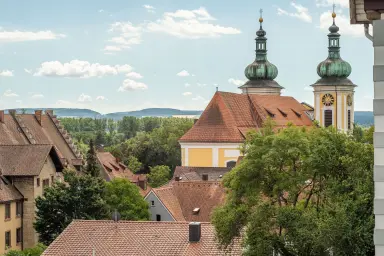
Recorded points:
(327, 118)
(349, 119)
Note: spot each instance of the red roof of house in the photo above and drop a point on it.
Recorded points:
(182, 197)
(109, 238)
(229, 116)
(116, 169)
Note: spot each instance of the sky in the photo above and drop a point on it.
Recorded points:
(114, 56)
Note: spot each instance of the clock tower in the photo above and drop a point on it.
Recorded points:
(334, 92)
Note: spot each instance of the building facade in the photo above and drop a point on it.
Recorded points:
(216, 138)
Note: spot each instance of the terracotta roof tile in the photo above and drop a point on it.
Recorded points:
(182, 197)
(229, 116)
(196, 173)
(108, 238)
(114, 169)
(23, 160)
(11, 133)
(8, 192)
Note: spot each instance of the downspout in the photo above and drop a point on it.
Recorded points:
(366, 32)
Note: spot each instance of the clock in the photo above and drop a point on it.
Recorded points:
(328, 99)
(349, 100)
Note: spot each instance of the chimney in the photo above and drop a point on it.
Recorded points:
(49, 112)
(194, 232)
(1, 116)
(12, 112)
(177, 178)
(38, 114)
(205, 177)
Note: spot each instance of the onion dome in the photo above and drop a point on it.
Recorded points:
(334, 70)
(261, 73)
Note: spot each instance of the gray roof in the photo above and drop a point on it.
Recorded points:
(196, 173)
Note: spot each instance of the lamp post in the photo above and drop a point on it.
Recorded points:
(370, 12)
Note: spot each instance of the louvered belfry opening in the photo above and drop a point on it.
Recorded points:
(327, 118)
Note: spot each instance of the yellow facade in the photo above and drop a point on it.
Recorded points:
(200, 157)
(11, 225)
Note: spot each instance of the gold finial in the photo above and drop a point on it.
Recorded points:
(334, 13)
(261, 16)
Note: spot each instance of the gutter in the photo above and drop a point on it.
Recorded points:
(366, 32)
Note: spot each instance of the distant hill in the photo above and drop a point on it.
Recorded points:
(361, 117)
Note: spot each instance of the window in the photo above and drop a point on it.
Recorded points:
(45, 183)
(7, 239)
(19, 236)
(7, 211)
(349, 119)
(231, 164)
(38, 182)
(52, 179)
(327, 118)
(152, 203)
(158, 217)
(19, 209)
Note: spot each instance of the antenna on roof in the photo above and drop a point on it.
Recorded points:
(217, 88)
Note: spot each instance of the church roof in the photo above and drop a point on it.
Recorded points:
(229, 116)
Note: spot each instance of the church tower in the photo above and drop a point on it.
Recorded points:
(334, 92)
(261, 73)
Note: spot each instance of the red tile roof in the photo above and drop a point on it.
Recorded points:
(181, 198)
(196, 173)
(229, 116)
(8, 192)
(25, 160)
(115, 169)
(108, 238)
(24, 129)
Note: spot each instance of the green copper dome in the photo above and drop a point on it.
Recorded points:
(334, 66)
(261, 68)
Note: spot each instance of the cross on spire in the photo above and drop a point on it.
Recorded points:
(261, 13)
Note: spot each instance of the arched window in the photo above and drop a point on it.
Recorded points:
(231, 164)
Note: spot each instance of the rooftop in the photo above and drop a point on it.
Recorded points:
(109, 238)
(8, 192)
(189, 173)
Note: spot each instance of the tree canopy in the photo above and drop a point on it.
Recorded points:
(159, 175)
(300, 192)
(92, 168)
(124, 196)
(35, 251)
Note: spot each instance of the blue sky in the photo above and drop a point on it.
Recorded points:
(127, 55)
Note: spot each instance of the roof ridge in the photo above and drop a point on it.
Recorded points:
(146, 222)
(24, 145)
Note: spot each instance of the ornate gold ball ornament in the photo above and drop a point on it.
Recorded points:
(333, 15)
(261, 20)
(328, 100)
(349, 100)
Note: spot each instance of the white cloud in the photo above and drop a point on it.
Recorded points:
(326, 3)
(192, 24)
(149, 8)
(187, 93)
(301, 13)
(187, 84)
(78, 68)
(84, 98)
(29, 71)
(9, 93)
(343, 22)
(201, 85)
(308, 88)
(128, 35)
(183, 73)
(134, 75)
(37, 96)
(131, 85)
(236, 81)
(112, 48)
(7, 73)
(21, 36)
(101, 10)
(101, 98)
(198, 97)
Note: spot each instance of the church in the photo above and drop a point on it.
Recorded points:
(215, 138)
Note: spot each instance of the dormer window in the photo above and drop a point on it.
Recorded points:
(196, 211)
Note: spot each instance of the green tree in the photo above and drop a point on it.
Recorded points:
(35, 251)
(133, 164)
(129, 125)
(300, 192)
(81, 198)
(93, 167)
(159, 175)
(124, 196)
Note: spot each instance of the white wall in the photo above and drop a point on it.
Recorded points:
(158, 208)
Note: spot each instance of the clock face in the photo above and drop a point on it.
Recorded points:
(349, 100)
(328, 99)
